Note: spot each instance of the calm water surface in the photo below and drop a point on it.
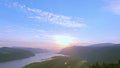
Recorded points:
(20, 63)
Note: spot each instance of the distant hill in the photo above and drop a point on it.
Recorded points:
(102, 44)
(8, 54)
(106, 53)
(34, 50)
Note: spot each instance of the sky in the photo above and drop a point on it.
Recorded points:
(35, 23)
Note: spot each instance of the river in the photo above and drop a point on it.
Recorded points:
(22, 62)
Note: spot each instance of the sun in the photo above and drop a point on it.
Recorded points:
(64, 41)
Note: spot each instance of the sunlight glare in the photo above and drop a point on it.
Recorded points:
(63, 40)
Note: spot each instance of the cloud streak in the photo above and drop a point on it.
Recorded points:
(113, 6)
(51, 18)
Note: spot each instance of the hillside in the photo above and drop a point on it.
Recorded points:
(59, 62)
(33, 50)
(94, 53)
(8, 54)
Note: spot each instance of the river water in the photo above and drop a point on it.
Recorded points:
(22, 62)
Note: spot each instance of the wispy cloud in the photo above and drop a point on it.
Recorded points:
(51, 18)
(113, 6)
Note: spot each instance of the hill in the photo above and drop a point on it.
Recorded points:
(94, 53)
(34, 50)
(102, 44)
(8, 54)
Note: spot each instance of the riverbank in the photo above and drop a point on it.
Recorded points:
(10, 54)
(59, 62)
(22, 62)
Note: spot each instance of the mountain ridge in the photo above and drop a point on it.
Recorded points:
(93, 53)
